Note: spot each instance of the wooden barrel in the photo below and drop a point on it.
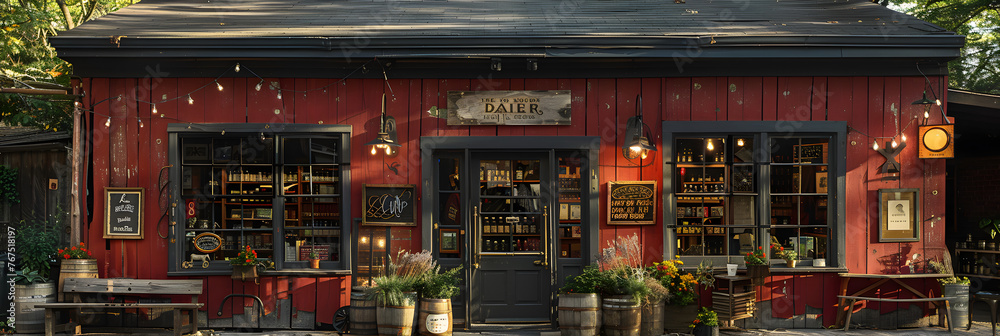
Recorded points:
(395, 320)
(652, 319)
(31, 320)
(579, 314)
(621, 316)
(362, 314)
(435, 317)
(75, 268)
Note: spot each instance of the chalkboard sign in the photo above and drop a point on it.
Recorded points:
(207, 242)
(123, 213)
(631, 202)
(388, 204)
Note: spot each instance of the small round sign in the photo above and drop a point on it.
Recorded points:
(207, 242)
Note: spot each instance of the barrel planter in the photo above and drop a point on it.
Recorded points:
(395, 320)
(704, 330)
(75, 268)
(960, 303)
(434, 317)
(652, 319)
(579, 314)
(31, 320)
(362, 314)
(677, 319)
(620, 315)
(758, 274)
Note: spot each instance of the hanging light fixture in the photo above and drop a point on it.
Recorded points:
(926, 103)
(386, 138)
(636, 138)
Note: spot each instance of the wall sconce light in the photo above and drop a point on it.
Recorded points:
(532, 64)
(927, 105)
(386, 138)
(636, 138)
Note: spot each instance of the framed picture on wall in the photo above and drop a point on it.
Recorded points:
(449, 241)
(899, 215)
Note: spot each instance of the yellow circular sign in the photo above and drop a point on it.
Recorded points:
(936, 139)
(207, 242)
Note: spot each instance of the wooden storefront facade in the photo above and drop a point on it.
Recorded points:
(137, 128)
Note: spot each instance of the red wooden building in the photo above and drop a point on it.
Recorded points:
(763, 116)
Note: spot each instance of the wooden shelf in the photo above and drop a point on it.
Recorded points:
(977, 251)
(978, 276)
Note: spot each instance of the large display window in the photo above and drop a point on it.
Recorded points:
(733, 187)
(279, 192)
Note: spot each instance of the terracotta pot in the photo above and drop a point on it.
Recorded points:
(313, 263)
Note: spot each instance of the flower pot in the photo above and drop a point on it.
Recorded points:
(75, 268)
(620, 315)
(959, 305)
(651, 321)
(313, 263)
(704, 330)
(395, 320)
(244, 272)
(790, 263)
(579, 314)
(434, 317)
(362, 314)
(758, 274)
(676, 319)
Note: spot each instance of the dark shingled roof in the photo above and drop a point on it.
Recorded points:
(461, 28)
(20, 135)
(486, 18)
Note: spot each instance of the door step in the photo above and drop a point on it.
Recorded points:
(513, 326)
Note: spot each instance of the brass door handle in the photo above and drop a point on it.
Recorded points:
(545, 238)
(476, 236)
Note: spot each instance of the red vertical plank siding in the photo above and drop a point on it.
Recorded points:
(752, 90)
(721, 98)
(541, 84)
(413, 131)
(818, 99)
(876, 87)
(769, 98)
(146, 178)
(303, 293)
(330, 295)
(118, 162)
(808, 294)
(429, 97)
(159, 156)
(625, 107)
(220, 104)
(734, 98)
(703, 95)
(190, 112)
(100, 161)
(578, 112)
(831, 288)
(678, 92)
(793, 98)
(856, 169)
(442, 99)
(782, 289)
(652, 111)
(607, 129)
(397, 106)
(216, 288)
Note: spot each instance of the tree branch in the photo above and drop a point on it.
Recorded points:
(66, 14)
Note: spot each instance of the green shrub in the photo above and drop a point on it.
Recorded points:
(586, 282)
(37, 242)
(437, 285)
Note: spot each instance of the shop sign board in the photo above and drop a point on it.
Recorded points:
(522, 108)
(123, 213)
(207, 242)
(388, 204)
(631, 202)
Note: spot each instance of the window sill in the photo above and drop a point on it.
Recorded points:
(807, 269)
(284, 272)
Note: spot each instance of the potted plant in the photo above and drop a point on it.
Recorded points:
(579, 303)
(706, 324)
(313, 259)
(789, 256)
(682, 306)
(436, 290)
(245, 264)
(36, 247)
(757, 267)
(395, 292)
(652, 308)
(75, 262)
(623, 286)
(953, 287)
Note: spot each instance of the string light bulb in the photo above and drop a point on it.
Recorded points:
(190, 100)
(223, 132)
(373, 150)
(262, 136)
(154, 108)
(140, 122)
(904, 137)
(875, 145)
(259, 85)
(218, 86)
(279, 94)
(894, 144)
(108, 123)
(237, 67)
(710, 146)
(739, 142)
(927, 114)
(938, 102)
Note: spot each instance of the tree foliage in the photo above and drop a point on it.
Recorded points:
(978, 69)
(29, 61)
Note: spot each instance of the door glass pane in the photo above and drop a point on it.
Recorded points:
(570, 229)
(510, 200)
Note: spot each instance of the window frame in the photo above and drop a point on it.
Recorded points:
(176, 232)
(763, 132)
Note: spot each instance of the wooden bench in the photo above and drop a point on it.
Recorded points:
(74, 287)
(853, 299)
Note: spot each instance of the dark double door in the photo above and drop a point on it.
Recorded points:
(510, 259)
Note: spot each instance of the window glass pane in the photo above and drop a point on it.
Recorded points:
(783, 150)
(812, 210)
(715, 150)
(807, 243)
(784, 179)
(812, 150)
(690, 150)
(448, 173)
(324, 150)
(315, 228)
(744, 179)
(742, 210)
(199, 180)
(296, 151)
(257, 149)
(226, 151)
(196, 151)
(571, 213)
(743, 149)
